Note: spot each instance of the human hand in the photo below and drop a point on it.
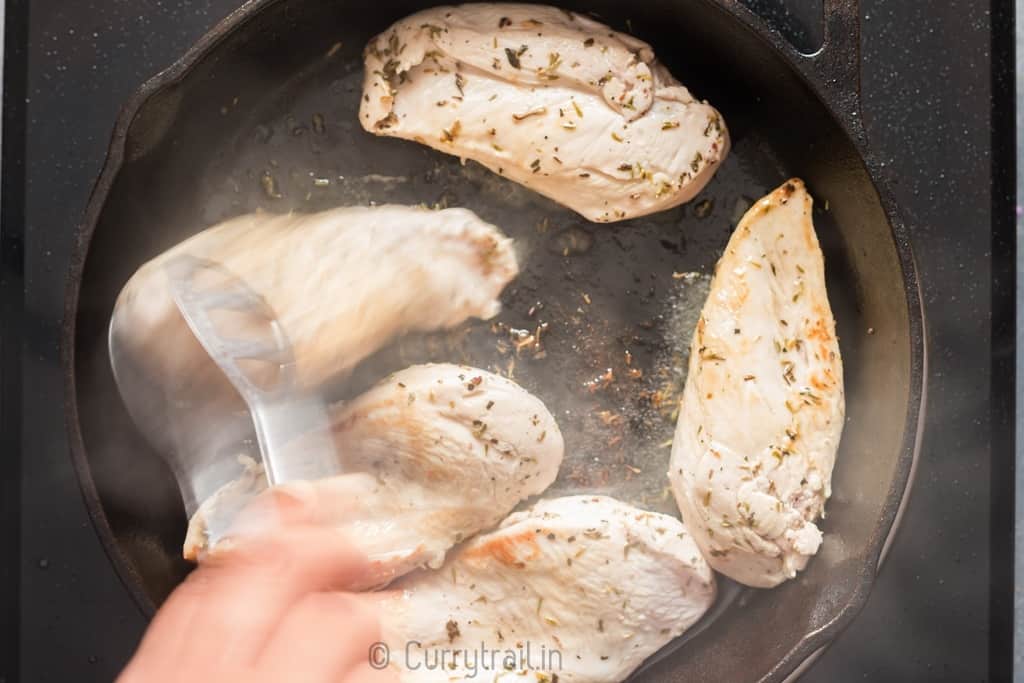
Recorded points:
(266, 609)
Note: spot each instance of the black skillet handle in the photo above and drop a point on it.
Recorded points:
(835, 68)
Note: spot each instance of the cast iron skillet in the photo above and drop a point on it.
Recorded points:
(191, 148)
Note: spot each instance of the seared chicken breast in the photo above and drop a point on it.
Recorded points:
(548, 98)
(341, 283)
(582, 588)
(431, 455)
(762, 410)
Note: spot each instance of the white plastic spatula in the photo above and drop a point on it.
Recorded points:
(292, 425)
(202, 435)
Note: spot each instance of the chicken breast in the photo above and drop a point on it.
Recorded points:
(342, 283)
(548, 98)
(582, 588)
(431, 455)
(762, 410)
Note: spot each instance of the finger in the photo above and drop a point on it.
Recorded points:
(272, 558)
(246, 592)
(323, 636)
(281, 507)
(334, 501)
(228, 607)
(168, 637)
(165, 641)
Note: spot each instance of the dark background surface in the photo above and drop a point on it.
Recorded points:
(928, 82)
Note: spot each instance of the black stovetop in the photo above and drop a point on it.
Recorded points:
(940, 609)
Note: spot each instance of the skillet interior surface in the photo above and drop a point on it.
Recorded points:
(268, 120)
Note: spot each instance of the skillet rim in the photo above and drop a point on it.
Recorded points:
(819, 74)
